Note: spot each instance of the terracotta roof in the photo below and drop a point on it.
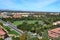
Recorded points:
(17, 16)
(54, 32)
(2, 32)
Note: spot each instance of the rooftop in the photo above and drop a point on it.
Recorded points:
(54, 33)
(57, 22)
(2, 32)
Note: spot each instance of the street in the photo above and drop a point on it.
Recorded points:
(10, 25)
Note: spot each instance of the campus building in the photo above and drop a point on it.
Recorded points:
(54, 33)
(19, 14)
(3, 34)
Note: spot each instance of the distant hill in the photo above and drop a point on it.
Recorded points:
(26, 11)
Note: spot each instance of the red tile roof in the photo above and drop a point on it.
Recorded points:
(16, 16)
(2, 32)
(54, 32)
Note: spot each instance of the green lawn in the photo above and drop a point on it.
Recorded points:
(10, 31)
(31, 21)
(13, 32)
(5, 27)
(20, 22)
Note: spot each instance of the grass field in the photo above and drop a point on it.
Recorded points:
(10, 31)
(13, 32)
(28, 21)
(18, 22)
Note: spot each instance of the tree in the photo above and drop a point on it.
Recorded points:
(35, 38)
(56, 38)
(15, 38)
(22, 37)
(1, 39)
(45, 35)
(1, 24)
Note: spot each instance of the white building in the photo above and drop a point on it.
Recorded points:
(8, 38)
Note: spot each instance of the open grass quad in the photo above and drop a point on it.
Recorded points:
(20, 22)
(28, 21)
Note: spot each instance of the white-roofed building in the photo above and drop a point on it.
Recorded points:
(8, 38)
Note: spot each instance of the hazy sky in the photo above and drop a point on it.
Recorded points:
(31, 5)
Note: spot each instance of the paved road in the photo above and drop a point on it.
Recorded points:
(12, 26)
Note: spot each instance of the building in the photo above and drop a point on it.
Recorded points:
(54, 33)
(4, 15)
(2, 33)
(56, 23)
(18, 14)
(6, 37)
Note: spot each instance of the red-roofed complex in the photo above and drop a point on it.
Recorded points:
(2, 32)
(54, 33)
(16, 16)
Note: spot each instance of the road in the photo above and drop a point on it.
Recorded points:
(10, 25)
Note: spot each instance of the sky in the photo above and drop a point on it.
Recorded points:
(31, 5)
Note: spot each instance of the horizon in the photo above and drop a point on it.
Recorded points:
(31, 5)
(4, 10)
